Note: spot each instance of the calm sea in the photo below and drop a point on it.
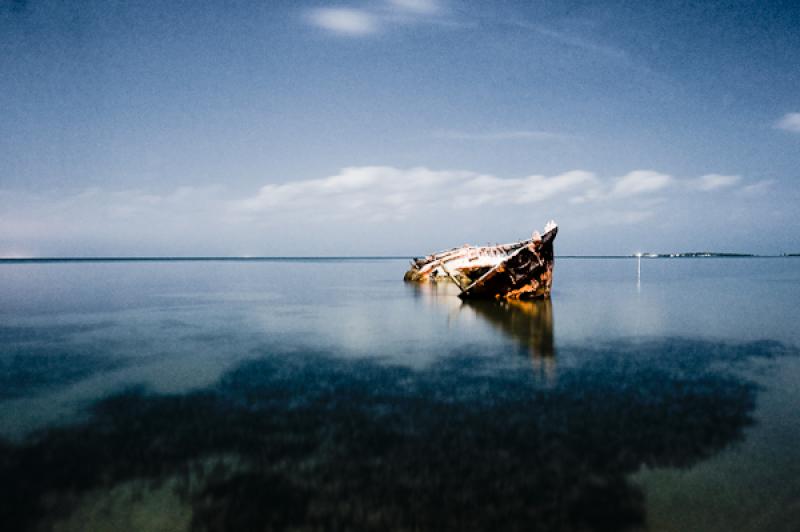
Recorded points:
(329, 395)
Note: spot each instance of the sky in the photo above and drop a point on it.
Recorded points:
(397, 127)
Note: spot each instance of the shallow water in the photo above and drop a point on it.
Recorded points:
(328, 394)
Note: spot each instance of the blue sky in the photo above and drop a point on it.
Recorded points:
(397, 127)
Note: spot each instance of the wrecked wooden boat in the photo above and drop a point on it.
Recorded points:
(520, 270)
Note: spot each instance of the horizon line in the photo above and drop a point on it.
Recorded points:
(266, 258)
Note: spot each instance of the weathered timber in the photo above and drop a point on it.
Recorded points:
(518, 271)
(526, 274)
(459, 263)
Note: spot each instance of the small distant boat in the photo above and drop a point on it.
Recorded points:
(520, 270)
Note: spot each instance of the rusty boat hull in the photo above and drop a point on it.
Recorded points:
(519, 271)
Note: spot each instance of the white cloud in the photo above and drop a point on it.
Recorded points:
(789, 122)
(533, 135)
(374, 191)
(710, 182)
(636, 183)
(640, 182)
(345, 21)
(491, 190)
(427, 7)
(359, 22)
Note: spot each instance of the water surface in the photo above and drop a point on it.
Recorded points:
(328, 394)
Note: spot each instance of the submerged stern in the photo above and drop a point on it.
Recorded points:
(526, 274)
(518, 271)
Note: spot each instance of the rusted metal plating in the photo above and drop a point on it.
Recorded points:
(519, 271)
(525, 274)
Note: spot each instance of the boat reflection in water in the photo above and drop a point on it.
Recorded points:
(530, 323)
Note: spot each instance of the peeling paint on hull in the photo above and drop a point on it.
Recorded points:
(519, 271)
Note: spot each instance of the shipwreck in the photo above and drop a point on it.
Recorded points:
(520, 270)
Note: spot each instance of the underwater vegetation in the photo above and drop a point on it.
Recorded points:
(474, 441)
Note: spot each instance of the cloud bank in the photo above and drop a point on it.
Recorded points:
(380, 192)
(369, 210)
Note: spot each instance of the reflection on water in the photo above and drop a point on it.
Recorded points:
(529, 322)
